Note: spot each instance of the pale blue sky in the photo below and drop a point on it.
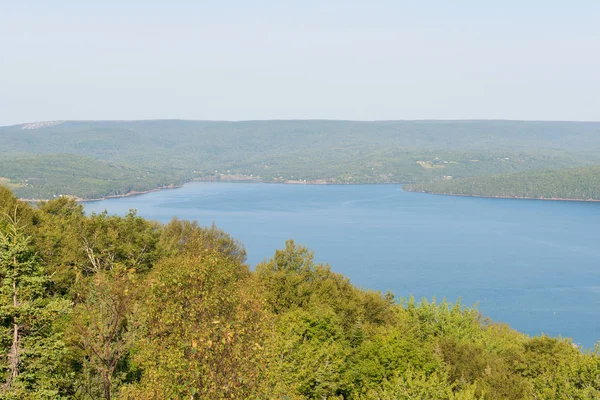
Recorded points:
(236, 60)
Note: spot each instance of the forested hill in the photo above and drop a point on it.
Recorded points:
(110, 139)
(108, 307)
(92, 159)
(567, 184)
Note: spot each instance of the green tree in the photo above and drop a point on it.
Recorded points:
(204, 329)
(57, 236)
(129, 241)
(30, 342)
(102, 331)
(187, 237)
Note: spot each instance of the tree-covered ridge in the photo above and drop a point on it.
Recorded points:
(125, 308)
(49, 176)
(85, 158)
(572, 183)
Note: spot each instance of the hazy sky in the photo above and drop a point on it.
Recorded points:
(233, 60)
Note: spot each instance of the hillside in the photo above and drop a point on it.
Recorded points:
(156, 153)
(50, 175)
(108, 307)
(572, 184)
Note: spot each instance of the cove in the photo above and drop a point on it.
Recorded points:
(532, 264)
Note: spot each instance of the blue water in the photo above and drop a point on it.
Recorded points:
(532, 264)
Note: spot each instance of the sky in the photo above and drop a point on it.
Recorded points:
(241, 60)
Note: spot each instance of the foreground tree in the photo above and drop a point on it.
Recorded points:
(109, 241)
(30, 342)
(204, 331)
(102, 332)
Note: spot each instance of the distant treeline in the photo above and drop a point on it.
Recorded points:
(572, 183)
(101, 307)
(91, 159)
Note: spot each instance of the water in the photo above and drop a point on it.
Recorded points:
(532, 264)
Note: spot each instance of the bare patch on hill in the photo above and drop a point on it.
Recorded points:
(43, 124)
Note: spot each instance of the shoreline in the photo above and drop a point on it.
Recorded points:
(296, 182)
(210, 180)
(129, 194)
(112, 196)
(504, 197)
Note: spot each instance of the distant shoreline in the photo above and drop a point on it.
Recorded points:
(242, 179)
(112, 196)
(287, 182)
(129, 194)
(504, 197)
(233, 180)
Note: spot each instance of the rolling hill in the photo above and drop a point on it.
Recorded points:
(101, 158)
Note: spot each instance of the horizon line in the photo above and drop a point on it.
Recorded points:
(60, 121)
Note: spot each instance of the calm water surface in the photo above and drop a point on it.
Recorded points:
(532, 264)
